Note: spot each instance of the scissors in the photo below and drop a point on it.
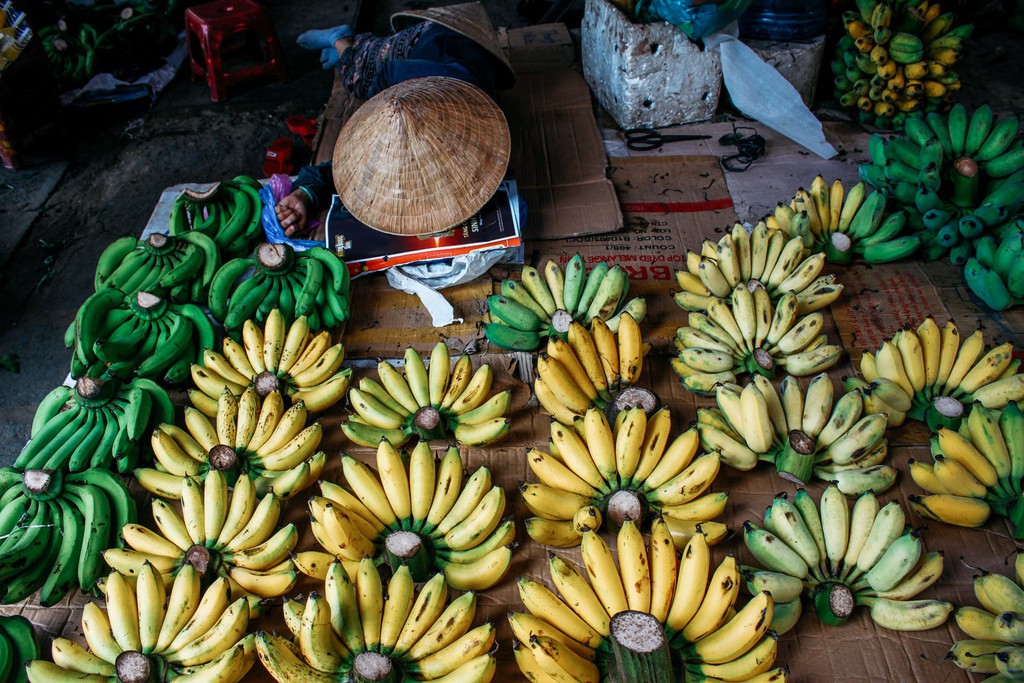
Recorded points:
(645, 139)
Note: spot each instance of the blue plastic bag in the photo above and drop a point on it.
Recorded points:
(695, 19)
(272, 227)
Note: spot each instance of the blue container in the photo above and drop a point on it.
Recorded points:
(784, 19)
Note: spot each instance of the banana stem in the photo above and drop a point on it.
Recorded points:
(132, 667)
(222, 457)
(274, 258)
(834, 603)
(408, 548)
(267, 383)
(202, 558)
(427, 423)
(373, 667)
(640, 651)
(796, 462)
(42, 484)
(623, 505)
(838, 248)
(93, 392)
(966, 182)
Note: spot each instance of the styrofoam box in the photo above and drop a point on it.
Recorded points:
(647, 75)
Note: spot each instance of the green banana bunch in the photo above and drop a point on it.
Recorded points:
(976, 471)
(841, 558)
(312, 283)
(543, 305)
(895, 59)
(750, 335)
(996, 271)
(95, 424)
(762, 257)
(940, 375)
(249, 437)
(651, 616)
(290, 359)
(960, 177)
(70, 50)
(434, 401)
(140, 334)
(229, 534)
(352, 629)
(993, 643)
(178, 268)
(18, 647)
(55, 524)
(843, 225)
(229, 213)
(803, 434)
(417, 513)
(629, 469)
(156, 629)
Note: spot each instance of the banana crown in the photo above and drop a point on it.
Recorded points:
(630, 470)
(628, 610)
(221, 532)
(433, 400)
(544, 304)
(354, 625)
(272, 445)
(594, 367)
(418, 513)
(804, 434)
(842, 557)
(975, 471)
(944, 374)
(199, 632)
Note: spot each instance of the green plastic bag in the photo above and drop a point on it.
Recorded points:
(695, 18)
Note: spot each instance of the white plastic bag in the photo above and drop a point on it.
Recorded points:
(763, 94)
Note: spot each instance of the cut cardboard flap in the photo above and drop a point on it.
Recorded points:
(558, 157)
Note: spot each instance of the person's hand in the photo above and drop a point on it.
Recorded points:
(293, 213)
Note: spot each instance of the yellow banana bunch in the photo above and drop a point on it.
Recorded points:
(750, 335)
(944, 374)
(228, 534)
(543, 303)
(416, 513)
(842, 223)
(592, 368)
(761, 257)
(629, 470)
(291, 359)
(249, 436)
(993, 645)
(803, 433)
(156, 627)
(975, 471)
(353, 630)
(434, 401)
(648, 615)
(895, 58)
(841, 558)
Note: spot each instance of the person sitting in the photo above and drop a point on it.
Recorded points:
(457, 41)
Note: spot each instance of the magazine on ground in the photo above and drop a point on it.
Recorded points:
(497, 225)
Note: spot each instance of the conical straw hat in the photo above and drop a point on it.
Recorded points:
(471, 20)
(421, 156)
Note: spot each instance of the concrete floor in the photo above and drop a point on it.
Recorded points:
(98, 175)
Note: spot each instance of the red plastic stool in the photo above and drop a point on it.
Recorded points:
(227, 29)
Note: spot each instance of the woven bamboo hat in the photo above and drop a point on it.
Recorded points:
(471, 20)
(421, 156)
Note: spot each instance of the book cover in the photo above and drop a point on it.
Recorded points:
(496, 225)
